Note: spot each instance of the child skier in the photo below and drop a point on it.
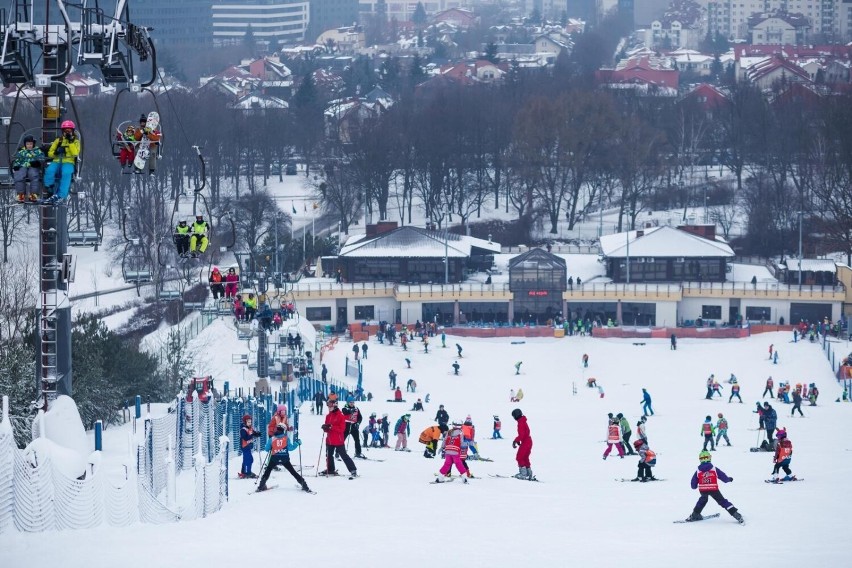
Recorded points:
(523, 441)
(452, 450)
(706, 479)
(585, 360)
(518, 367)
(783, 455)
(647, 460)
(430, 437)
(469, 431)
(613, 439)
(768, 389)
(640, 429)
(496, 435)
(735, 390)
(459, 350)
(26, 170)
(456, 367)
(279, 454)
(707, 430)
(247, 436)
(722, 429)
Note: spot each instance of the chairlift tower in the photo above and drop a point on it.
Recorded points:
(39, 55)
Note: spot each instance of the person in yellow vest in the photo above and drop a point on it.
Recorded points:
(63, 151)
(279, 454)
(198, 241)
(181, 237)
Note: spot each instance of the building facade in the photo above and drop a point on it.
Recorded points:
(272, 23)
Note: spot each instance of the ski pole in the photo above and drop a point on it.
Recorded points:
(319, 457)
(262, 468)
(296, 424)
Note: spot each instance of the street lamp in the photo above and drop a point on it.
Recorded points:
(800, 246)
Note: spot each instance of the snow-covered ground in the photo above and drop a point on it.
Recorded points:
(578, 515)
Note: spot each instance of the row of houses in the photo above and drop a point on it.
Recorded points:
(655, 276)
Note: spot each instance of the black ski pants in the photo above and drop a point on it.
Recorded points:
(341, 452)
(626, 439)
(352, 430)
(283, 460)
(644, 471)
(768, 390)
(797, 406)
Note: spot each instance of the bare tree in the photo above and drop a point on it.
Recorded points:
(19, 282)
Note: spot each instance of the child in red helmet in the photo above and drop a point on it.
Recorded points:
(247, 436)
(647, 460)
(783, 456)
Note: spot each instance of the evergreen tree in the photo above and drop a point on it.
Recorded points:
(18, 382)
(419, 16)
(491, 52)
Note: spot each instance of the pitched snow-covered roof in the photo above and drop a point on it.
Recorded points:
(812, 265)
(663, 242)
(408, 242)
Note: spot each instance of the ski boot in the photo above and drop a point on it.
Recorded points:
(327, 473)
(637, 479)
(788, 478)
(522, 473)
(695, 516)
(735, 514)
(262, 487)
(353, 474)
(305, 487)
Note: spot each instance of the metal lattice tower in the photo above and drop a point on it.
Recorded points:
(39, 54)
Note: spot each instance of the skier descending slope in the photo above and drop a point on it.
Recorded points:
(706, 479)
(279, 449)
(523, 441)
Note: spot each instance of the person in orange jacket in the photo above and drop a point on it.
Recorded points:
(280, 417)
(430, 436)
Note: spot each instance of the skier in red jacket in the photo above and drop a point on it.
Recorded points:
(524, 443)
(335, 429)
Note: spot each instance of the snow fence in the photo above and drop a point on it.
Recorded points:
(177, 469)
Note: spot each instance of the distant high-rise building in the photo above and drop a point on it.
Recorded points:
(586, 10)
(328, 14)
(272, 22)
(175, 22)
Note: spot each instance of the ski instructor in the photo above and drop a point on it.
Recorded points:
(524, 443)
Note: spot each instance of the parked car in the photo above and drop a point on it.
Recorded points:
(290, 169)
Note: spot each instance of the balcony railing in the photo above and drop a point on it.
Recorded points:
(342, 289)
(465, 289)
(764, 289)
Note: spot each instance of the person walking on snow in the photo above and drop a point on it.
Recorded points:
(797, 403)
(783, 455)
(496, 434)
(722, 429)
(247, 436)
(364, 348)
(768, 389)
(613, 439)
(452, 450)
(518, 367)
(319, 400)
(279, 454)
(646, 403)
(775, 357)
(585, 360)
(707, 430)
(402, 429)
(709, 387)
(392, 379)
(647, 460)
(626, 432)
(459, 350)
(706, 479)
(523, 442)
(335, 441)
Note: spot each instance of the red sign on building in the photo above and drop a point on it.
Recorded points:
(537, 293)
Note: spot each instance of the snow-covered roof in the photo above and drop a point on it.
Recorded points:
(407, 242)
(663, 242)
(812, 265)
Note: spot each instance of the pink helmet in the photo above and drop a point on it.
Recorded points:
(68, 124)
(282, 409)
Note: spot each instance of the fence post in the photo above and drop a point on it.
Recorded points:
(99, 427)
(138, 407)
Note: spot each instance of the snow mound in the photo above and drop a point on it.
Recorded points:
(62, 425)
